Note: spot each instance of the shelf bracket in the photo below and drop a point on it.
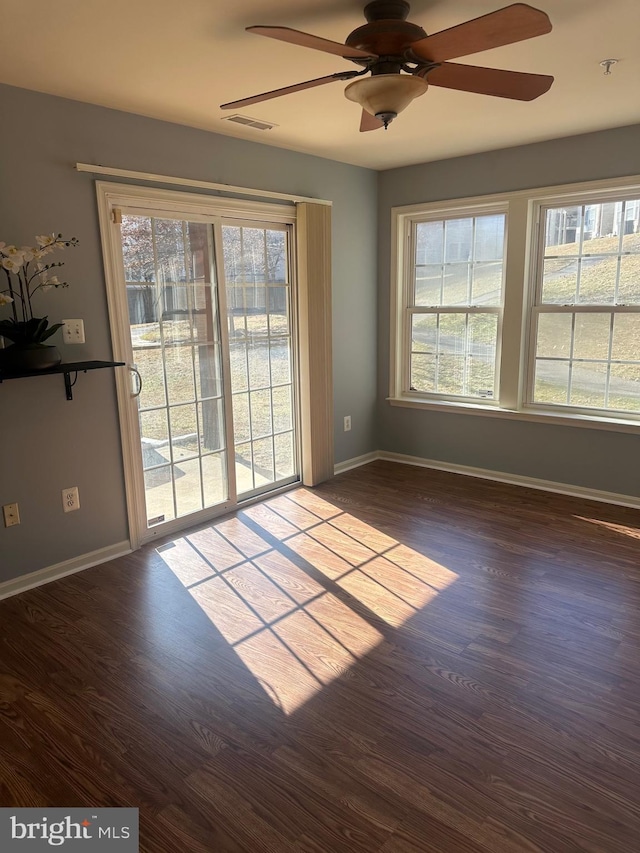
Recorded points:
(68, 384)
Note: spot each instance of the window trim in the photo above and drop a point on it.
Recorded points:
(521, 258)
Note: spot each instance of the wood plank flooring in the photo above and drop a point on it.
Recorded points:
(398, 661)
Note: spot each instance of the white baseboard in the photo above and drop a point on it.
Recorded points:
(497, 476)
(515, 480)
(61, 570)
(356, 462)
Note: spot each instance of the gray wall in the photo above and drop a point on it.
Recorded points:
(47, 443)
(584, 457)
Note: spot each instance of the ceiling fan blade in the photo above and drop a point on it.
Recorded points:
(490, 81)
(505, 26)
(369, 122)
(287, 90)
(308, 40)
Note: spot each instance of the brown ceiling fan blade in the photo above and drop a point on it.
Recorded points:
(490, 81)
(505, 26)
(286, 90)
(369, 122)
(308, 40)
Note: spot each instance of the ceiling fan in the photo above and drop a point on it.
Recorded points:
(403, 60)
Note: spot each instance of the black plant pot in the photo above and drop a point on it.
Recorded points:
(33, 357)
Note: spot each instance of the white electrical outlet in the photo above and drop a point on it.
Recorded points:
(73, 331)
(347, 423)
(11, 515)
(70, 499)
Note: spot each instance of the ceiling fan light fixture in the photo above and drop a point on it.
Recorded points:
(386, 95)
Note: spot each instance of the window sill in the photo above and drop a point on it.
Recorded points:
(565, 419)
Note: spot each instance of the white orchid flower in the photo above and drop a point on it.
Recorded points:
(11, 251)
(27, 254)
(45, 240)
(4, 299)
(12, 264)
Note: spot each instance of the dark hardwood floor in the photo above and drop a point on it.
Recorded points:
(399, 661)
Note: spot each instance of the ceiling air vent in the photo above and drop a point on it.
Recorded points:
(250, 122)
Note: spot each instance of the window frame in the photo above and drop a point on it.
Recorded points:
(517, 338)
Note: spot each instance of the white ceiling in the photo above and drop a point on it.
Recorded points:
(178, 60)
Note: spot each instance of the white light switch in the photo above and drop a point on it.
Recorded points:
(73, 331)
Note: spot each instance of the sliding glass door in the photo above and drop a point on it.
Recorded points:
(210, 332)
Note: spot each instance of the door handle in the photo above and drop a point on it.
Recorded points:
(137, 373)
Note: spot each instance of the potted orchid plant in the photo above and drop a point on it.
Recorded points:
(27, 273)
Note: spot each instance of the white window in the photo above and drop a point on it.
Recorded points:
(522, 305)
(454, 304)
(586, 314)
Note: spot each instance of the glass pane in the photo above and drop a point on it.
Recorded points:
(280, 362)
(256, 306)
(554, 335)
(154, 426)
(244, 468)
(626, 337)
(629, 283)
(489, 237)
(169, 241)
(211, 425)
(451, 369)
(278, 310)
(158, 488)
(284, 458)
(560, 280)
(208, 371)
(481, 348)
(597, 283)
(482, 377)
(429, 243)
(263, 462)
(591, 336)
(277, 265)
(423, 372)
(458, 240)
(214, 478)
(238, 359)
(452, 333)
(149, 362)
(562, 229)
(425, 333)
(145, 311)
(184, 432)
(282, 408)
(457, 284)
(253, 255)
(487, 284)
(260, 402)
(137, 250)
(258, 358)
(428, 285)
(624, 387)
(241, 420)
(205, 320)
(188, 486)
(552, 382)
(588, 385)
(179, 374)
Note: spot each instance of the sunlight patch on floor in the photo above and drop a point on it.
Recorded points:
(633, 532)
(301, 589)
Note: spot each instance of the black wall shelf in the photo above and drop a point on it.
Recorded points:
(65, 369)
